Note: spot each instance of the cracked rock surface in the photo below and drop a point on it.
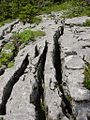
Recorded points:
(73, 52)
(46, 81)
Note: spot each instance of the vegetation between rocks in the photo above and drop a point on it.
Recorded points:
(27, 35)
(87, 23)
(87, 76)
(10, 49)
(7, 55)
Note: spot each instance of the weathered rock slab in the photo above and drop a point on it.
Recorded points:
(77, 20)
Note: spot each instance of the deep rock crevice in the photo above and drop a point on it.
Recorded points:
(37, 96)
(36, 51)
(66, 103)
(10, 84)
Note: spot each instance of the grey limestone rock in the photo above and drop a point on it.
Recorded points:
(76, 20)
(58, 98)
(76, 63)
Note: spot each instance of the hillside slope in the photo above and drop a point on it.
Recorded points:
(46, 81)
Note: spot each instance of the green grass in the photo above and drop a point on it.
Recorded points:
(7, 53)
(70, 8)
(27, 35)
(5, 58)
(87, 10)
(36, 20)
(87, 76)
(9, 46)
(77, 9)
(69, 98)
(10, 64)
(56, 7)
(87, 84)
(87, 23)
(5, 21)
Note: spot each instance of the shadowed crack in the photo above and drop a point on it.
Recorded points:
(36, 51)
(9, 86)
(37, 96)
(56, 57)
(65, 104)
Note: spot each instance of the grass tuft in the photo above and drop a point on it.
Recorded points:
(10, 50)
(9, 46)
(10, 64)
(87, 76)
(27, 35)
(7, 54)
(87, 23)
(36, 20)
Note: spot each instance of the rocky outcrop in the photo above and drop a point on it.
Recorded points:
(76, 20)
(46, 82)
(7, 28)
(73, 69)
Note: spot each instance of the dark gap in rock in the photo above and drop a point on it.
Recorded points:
(37, 96)
(9, 86)
(88, 117)
(2, 70)
(70, 53)
(1, 118)
(62, 30)
(1, 37)
(65, 104)
(85, 46)
(56, 57)
(36, 51)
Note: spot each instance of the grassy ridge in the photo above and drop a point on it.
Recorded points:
(70, 9)
(56, 7)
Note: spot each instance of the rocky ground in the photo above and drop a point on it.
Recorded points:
(46, 81)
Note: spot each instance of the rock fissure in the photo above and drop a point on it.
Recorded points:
(37, 96)
(36, 51)
(10, 84)
(66, 103)
(51, 87)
